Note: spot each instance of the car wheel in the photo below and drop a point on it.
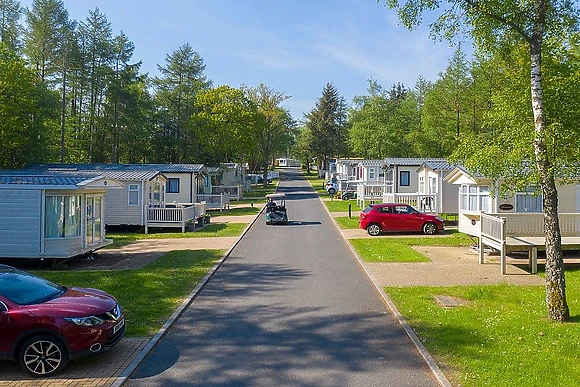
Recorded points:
(331, 191)
(43, 355)
(344, 197)
(429, 228)
(374, 229)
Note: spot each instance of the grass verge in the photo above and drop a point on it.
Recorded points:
(400, 250)
(149, 295)
(386, 250)
(345, 222)
(213, 230)
(341, 205)
(499, 337)
(240, 211)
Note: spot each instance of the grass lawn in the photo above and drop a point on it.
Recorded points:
(500, 337)
(151, 294)
(338, 205)
(237, 211)
(345, 222)
(399, 249)
(386, 250)
(212, 230)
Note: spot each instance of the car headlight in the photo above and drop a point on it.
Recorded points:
(90, 321)
(439, 219)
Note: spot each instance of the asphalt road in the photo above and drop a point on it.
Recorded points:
(290, 307)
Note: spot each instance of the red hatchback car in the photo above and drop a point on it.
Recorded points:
(377, 218)
(43, 325)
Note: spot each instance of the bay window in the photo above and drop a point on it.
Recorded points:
(62, 216)
(474, 198)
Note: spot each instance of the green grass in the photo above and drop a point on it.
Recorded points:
(399, 249)
(237, 211)
(212, 230)
(337, 205)
(345, 222)
(151, 294)
(386, 250)
(257, 201)
(500, 337)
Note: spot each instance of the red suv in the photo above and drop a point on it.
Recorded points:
(44, 325)
(377, 218)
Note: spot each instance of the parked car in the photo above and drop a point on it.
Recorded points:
(44, 325)
(331, 187)
(377, 218)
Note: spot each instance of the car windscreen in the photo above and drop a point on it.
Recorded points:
(26, 289)
(368, 209)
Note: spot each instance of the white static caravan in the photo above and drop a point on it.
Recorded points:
(401, 174)
(52, 216)
(126, 206)
(431, 180)
(184, 181)
(288, 163)
(371, 172)
(475, 197)
(347, 169)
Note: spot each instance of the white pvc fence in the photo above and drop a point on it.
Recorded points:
(221, 201)
(234, 191)
(180, 215)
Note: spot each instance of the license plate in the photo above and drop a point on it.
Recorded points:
(119, 326)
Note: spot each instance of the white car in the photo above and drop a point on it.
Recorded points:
(331, 187)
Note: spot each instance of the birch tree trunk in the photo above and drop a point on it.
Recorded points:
(555, 279)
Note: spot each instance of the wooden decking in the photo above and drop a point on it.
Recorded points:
(533, 244)
(524, 232)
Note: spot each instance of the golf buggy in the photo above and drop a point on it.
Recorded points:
(276, 209)
(349, 190)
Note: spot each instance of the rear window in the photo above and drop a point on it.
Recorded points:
(368, 209)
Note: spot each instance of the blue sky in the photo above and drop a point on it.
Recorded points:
(293, 46)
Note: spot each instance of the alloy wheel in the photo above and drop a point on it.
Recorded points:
(43, 356)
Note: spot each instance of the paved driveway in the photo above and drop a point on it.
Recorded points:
(290, 306)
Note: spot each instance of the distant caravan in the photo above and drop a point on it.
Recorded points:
(288, 163)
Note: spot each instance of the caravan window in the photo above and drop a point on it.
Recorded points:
(172, 185)
(528, 201)
(133, 194)
(405, 178)
(474, 198)
(62, 216)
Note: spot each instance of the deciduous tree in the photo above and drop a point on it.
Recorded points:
(501, 28)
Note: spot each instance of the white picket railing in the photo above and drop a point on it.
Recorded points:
(532, 224)
(496, 228)
(235, 191)
(172, 216)
(368, 192)
(221, 201)
(422, 202)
